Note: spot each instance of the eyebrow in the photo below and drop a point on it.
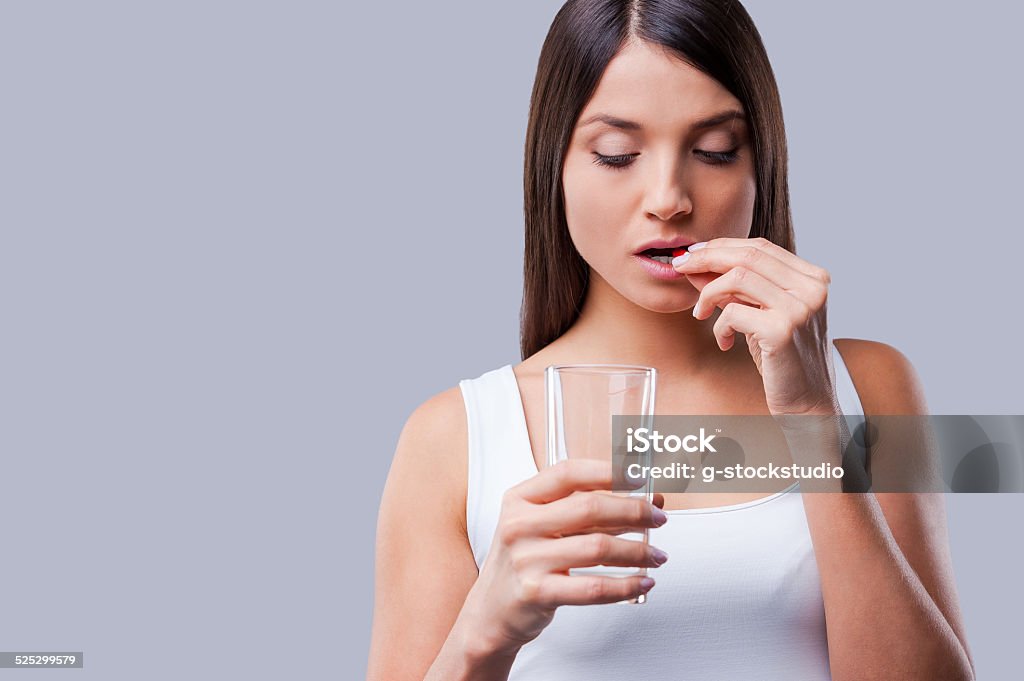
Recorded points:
(622, 124)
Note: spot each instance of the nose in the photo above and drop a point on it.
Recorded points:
(666, 195)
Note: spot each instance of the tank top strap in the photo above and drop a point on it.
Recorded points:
(846, 392)
(499, 452)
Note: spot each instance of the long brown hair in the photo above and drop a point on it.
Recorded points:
(715, 36)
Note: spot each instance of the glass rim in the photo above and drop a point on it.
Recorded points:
(603, 368)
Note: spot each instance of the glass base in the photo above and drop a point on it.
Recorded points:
(614, 571)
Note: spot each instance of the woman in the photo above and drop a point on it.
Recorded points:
(658, 125)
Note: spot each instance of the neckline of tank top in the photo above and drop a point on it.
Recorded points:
(524, 433)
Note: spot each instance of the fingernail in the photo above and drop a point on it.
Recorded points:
(694, 247)
(659, 516)
(658, 555)
(680, 259)
(646, 583)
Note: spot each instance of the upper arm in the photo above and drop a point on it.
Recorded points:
(888, 384)
(424, 565)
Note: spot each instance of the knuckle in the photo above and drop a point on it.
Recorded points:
(751, 255)
(739, 273)
(531, 588)
(821, 298)
(511, 530)
(502, 536)
(597, 546)
(597, 590)
(590, 505)
(807, 312)
(546, 595)
(802, 311)
(519, 561)
(641, 512)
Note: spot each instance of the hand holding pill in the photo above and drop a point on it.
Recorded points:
(778, 301)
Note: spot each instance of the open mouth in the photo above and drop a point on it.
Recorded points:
(663, 255)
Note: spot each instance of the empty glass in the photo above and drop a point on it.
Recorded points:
(580, 400)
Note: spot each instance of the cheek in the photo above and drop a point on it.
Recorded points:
(730, 206)
(593, 211)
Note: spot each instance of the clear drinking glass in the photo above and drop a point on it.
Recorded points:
(580, 400)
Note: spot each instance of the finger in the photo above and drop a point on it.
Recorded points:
(744, 319)
(701, 279)
(566, 477)
(725, 258)
(659, 500)
(589, 590)
(589, 511)
(744, 286)
(789, 259)
(588, 550)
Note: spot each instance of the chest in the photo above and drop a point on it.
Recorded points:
(745, 398)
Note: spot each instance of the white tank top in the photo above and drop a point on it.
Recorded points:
(739, 598)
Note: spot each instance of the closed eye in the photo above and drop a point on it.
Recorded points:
(622, 161)
(616, 162)
(717, 158)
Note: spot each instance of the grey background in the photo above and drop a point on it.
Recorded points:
(241, 241)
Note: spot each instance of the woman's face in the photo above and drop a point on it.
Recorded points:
(667, 178)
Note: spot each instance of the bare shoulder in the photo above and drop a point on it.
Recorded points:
(885, 379)
(430, 458)
(424, 564)
(443, 414)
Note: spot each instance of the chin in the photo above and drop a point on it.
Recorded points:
(666, 302)
(664, 297)
(668, 308)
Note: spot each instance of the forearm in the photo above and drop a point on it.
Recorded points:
(882, 622)
(465, 657)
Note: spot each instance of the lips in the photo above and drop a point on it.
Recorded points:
(656, 257)
(665, 247)
(659, 267)
(670, 252)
